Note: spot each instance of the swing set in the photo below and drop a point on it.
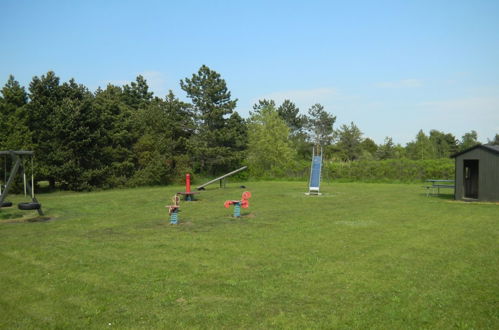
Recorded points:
(19, 163)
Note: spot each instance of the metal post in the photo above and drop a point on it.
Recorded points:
(13, 172)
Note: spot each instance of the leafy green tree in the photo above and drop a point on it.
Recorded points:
(369, 146)
(349, 142)
(211, 147)
(320, 125)
(421, 148)
(443, 144)
(13, 117)
(468, 140)
(269, 150)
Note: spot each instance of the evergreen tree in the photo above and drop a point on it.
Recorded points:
(13, 117)
(45, 96)
(349, 142)
(166, 127)
(386, 150)
(119, 133)
(320, 125)
(257, 107)
(211, 147)
(290, 113)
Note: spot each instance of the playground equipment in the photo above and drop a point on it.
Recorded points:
(174, 209)
(19, 162)
(221, 178)
(315, 171)
(244, 203)
(188, 194)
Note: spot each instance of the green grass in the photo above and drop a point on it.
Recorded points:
(361, 256)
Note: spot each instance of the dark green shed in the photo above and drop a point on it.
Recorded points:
(477, 173)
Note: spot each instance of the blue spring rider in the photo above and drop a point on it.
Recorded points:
(174, 209)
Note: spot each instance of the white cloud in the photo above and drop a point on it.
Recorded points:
(405, 83)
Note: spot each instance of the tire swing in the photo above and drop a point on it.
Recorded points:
(4, 204)
(33, 205)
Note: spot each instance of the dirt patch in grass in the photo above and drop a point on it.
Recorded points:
(35, 219)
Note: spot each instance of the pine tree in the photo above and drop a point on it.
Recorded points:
(211, 146)
(13, 117)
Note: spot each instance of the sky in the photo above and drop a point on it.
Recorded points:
(391, 67)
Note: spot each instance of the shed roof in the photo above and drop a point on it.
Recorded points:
(489, 147)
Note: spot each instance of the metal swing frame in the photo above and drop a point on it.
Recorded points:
(17, 161)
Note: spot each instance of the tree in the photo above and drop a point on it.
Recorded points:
(443, 144)
(166, 127)
(421, 148)
(137, 95)
(211, 146)
(13, 117)
(290, 113)
(468, 140)
(120, 133)
(495, 140)
(269, 150)
(349, 142)
(257, 107)
(386, 150)
(369, 146)
(45, 96)
(320, 125)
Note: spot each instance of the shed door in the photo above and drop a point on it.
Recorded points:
(471, 178)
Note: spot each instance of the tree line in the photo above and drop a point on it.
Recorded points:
(126, 136)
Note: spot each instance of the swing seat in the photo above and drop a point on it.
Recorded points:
(6, 204)
(29, 206)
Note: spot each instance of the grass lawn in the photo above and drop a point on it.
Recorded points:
(379, 256)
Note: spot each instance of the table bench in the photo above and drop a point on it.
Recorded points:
(437, 184)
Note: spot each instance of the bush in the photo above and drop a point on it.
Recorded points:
(389, 170)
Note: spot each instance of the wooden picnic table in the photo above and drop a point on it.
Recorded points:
(437, 184)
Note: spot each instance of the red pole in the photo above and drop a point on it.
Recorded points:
(188, 183)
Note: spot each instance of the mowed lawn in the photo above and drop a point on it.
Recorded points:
(379, 256)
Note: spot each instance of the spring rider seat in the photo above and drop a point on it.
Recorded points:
(244, 203)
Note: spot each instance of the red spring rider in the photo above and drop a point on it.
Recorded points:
(244, 203)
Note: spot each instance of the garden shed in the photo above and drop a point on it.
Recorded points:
(477, 173)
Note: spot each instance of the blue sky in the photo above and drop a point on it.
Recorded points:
(391, 67)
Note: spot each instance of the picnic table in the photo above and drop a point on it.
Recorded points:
(437, 184)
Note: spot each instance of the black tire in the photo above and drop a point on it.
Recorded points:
(29, 206)
(6, 204)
